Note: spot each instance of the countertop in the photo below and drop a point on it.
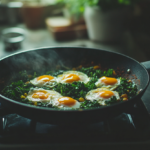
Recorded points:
(43, 38)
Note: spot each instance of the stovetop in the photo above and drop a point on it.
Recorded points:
(134, 126)
(130, 127)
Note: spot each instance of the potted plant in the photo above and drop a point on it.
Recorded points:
(73, 9)
(105, 19)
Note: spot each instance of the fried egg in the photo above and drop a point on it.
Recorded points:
(42, 95)
(108, 82)
(65, 103)
(72, 76)
(101, 95)
(44, 81)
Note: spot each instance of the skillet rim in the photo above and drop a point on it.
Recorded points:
(80, 110)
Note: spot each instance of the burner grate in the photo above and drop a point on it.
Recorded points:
(133, 126)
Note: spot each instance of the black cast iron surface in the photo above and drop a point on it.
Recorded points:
(130, 127)
(126, 127)
(70, 56)
(126, 131)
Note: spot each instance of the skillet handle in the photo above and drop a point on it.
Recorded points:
(146, 64)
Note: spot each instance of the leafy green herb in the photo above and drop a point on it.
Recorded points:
(16, 89)
(127, 87)
(77, 7)
(91, 72)
(111, 101)
(75, 90)
(88, 104)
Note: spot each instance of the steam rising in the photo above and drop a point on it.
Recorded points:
(47, 59)
(41, 60)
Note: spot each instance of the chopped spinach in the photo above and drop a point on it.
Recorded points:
(74, 90)
(16, 89)
(20, 85)
(96, 73)
(88, 104)
(111, 101)
(127, 87)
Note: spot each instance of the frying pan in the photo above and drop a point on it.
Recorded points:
(43, 59)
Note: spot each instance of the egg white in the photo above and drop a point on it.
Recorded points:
(83, 77)
(100, 84)
(41, 83)
(93, 95)
(52, 95)
(63, 106)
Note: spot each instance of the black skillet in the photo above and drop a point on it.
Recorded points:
(49, 58)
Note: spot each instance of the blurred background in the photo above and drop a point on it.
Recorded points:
(115, 25)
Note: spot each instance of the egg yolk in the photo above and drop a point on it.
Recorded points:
(108, 80)
(68, 101)
(40, 94)
(45, 78)
(106, 94)
(69, 78)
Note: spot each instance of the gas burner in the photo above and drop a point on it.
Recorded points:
(130, 126)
